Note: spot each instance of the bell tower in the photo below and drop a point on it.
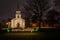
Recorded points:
(18, 12)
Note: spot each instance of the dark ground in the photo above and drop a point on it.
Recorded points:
(30, 36)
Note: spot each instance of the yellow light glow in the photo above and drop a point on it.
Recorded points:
(7, 23)
(31, 31)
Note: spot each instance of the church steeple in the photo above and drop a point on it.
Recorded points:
(17, 7)
(18, 12)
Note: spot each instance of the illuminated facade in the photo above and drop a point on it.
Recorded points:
(18, 22)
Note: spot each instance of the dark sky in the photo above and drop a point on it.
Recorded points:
(8, 8)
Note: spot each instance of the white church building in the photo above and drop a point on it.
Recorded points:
(18, 21)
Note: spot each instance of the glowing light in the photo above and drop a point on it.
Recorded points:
(8, 30)
(34, 24)
(31, 31)
(36, 29)
(7, 23)
(27, 29)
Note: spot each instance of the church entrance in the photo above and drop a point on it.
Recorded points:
(18, 25)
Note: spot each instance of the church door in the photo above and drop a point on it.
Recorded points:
(18, 25)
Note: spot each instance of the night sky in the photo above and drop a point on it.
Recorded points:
(8, 8)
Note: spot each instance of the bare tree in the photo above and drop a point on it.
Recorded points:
(38, 8)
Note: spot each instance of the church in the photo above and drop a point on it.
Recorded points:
(18, 21)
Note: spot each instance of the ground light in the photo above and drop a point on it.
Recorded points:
(8, 30)
(36, 29)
